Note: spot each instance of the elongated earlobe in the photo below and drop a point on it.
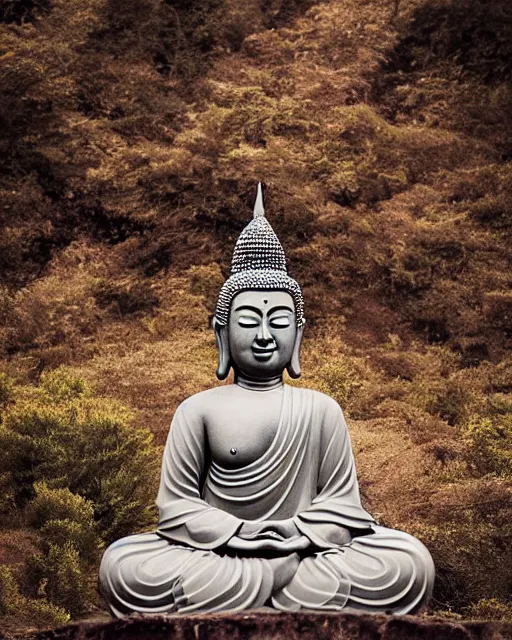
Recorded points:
(222, 339)
(293, 367)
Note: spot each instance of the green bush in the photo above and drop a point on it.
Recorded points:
(71, 440)
(17, 609)
(488, 443)
(62, 517)
(81, 475)
(58, 504)
(10, 596)
(59, 576)
(501, 377)
(339, 380)
(6, 390)
(61, 385)
(41, 613)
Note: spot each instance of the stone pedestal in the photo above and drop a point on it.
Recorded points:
(269, 625)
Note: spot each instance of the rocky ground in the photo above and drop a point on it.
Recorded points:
(280, 626)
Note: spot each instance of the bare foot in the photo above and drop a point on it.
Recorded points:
(284, 569)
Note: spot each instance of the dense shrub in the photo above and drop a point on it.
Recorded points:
(6, 391)
(65, 518)
(338, 379)
(82, 475)
(58, 575)
(17, 610)
(38, 612)
(449, 401)
(489, 444)
(9, 591)
(501, 377)
(71, 440)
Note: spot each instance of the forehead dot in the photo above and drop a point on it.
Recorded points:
(265, 301)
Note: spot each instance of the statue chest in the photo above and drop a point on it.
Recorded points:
(242, 431)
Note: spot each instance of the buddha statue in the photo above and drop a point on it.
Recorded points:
(258, 501)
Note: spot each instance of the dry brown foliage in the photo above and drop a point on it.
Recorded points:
(132, 135)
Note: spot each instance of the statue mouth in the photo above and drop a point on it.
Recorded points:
(263, 354)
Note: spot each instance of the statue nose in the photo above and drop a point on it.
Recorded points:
(264, 336)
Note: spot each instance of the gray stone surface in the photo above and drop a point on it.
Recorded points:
(259, 500)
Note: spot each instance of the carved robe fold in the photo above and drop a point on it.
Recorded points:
(308, 475)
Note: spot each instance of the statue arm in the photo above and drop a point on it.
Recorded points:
(336, 510)
(184, 516)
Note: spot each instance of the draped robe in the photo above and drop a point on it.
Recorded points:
(308, 475)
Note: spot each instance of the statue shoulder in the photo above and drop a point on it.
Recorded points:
(320, 398)
(201, 403)
(323, 403)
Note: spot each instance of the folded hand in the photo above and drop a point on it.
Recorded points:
(270, 529)
(296, 543)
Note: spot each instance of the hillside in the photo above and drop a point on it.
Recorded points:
(132, 135)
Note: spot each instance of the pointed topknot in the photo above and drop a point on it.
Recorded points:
(259, 211)
(258, 263)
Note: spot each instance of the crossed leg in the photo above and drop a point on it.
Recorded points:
(145, 573)
(387, 571)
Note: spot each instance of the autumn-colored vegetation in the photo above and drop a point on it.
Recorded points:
(75, 476)
(132, 135)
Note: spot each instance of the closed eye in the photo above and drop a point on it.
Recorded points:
(280, 322)
(248, 322)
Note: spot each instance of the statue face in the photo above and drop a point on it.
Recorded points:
(262, 331)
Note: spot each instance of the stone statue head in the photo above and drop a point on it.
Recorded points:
(259, 320)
